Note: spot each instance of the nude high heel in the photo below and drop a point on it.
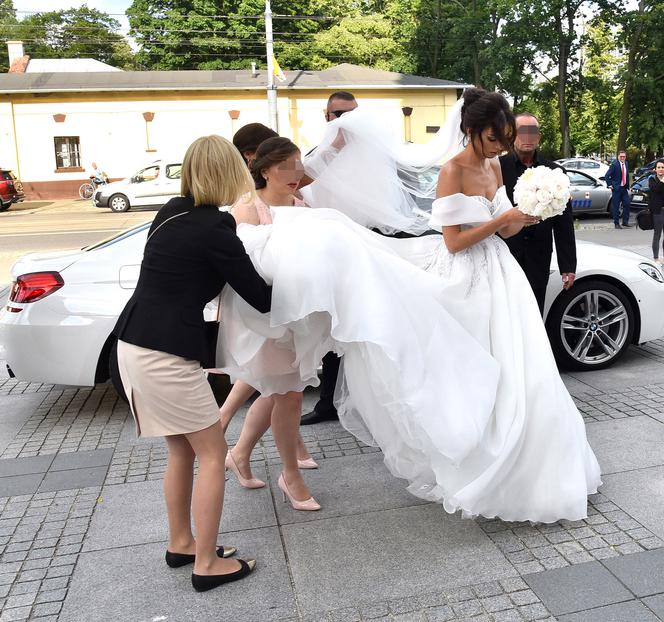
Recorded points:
(308, 505)
(246, 483)
(307, 463)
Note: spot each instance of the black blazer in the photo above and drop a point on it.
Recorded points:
(532, 247)
(656, 198)
(185, 265)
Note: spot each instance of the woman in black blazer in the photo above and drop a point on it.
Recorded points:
(191, 253)
(655, 204)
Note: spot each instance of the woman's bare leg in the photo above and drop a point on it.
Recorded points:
(256, 423)
(237, 397)
(302, 451)
(285, 429)
(178, 484)
(208, 499)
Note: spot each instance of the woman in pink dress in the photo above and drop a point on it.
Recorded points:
(277, 170)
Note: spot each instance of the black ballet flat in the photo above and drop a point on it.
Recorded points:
(177, 560)
(203, 583)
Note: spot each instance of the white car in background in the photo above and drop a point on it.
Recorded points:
(56, 325)
(152, 186)
(585, 165)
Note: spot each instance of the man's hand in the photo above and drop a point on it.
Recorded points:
(568, 279)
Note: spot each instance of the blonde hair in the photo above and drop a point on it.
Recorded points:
(214, 173)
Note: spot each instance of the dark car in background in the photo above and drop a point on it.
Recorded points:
(646, 169)
(11, 189)
(639, 192)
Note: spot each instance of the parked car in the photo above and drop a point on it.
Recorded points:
(151, 186)
(11, 189)
(585, 165)
(589, 195)
(640, 191)
(62, 306)
(645, 170)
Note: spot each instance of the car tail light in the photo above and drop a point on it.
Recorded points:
(35, 286)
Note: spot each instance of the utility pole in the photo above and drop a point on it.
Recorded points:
(271, 86)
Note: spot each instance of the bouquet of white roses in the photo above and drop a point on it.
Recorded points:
(542, 192)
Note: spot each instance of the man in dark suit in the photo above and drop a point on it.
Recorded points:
(532, 247)
(324, 410)
(617, 178)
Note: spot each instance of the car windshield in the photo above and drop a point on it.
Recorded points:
(118, 237)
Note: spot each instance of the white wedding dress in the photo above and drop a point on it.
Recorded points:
(534, 462)
(446, 363)
(482, 424)
(411, 369)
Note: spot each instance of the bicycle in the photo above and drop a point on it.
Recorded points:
(87, 189)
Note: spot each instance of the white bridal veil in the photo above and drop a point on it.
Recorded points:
(361, 169)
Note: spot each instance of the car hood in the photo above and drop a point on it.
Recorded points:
(54, 260)
(598, 253)
(593, 258)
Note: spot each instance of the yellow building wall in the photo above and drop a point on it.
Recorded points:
(113, 132)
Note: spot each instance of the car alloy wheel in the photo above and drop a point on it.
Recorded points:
(591, 326)
(118, 203)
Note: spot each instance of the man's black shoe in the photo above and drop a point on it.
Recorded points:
(626, 225)
(617, 226)
(317, 417)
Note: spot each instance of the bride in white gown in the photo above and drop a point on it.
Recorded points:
(482, 424)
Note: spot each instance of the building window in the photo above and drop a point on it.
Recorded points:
(67, 152)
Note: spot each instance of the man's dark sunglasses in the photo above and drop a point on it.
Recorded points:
(338, 113)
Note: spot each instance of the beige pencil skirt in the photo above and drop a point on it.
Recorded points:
(167, 394)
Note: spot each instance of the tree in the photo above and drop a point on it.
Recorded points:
(218, 34)
(75, 33)
(596, 111)
(7, 30)
(643, 77)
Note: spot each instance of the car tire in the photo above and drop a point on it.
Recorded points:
(590, 326)
(119, 203)
(4, 206)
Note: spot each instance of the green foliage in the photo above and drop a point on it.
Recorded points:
(7, 29)
(75, 33)
(218, 34)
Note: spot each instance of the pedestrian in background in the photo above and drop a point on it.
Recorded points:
(617, 178)
(655, 205)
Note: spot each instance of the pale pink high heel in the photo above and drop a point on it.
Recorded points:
(307, 463)
(308, 505)
(246, 483)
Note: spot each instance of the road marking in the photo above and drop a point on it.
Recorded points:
(70, 232)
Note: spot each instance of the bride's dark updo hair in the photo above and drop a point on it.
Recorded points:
(483, 110)
(270, 152)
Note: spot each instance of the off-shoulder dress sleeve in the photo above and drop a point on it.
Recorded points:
(458, 209)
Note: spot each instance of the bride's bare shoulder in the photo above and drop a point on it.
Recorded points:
(449, 178)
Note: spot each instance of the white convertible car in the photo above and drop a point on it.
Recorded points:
(55, 326)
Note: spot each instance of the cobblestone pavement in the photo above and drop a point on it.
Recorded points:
(71, 449)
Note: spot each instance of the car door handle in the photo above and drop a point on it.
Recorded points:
(128, 276)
